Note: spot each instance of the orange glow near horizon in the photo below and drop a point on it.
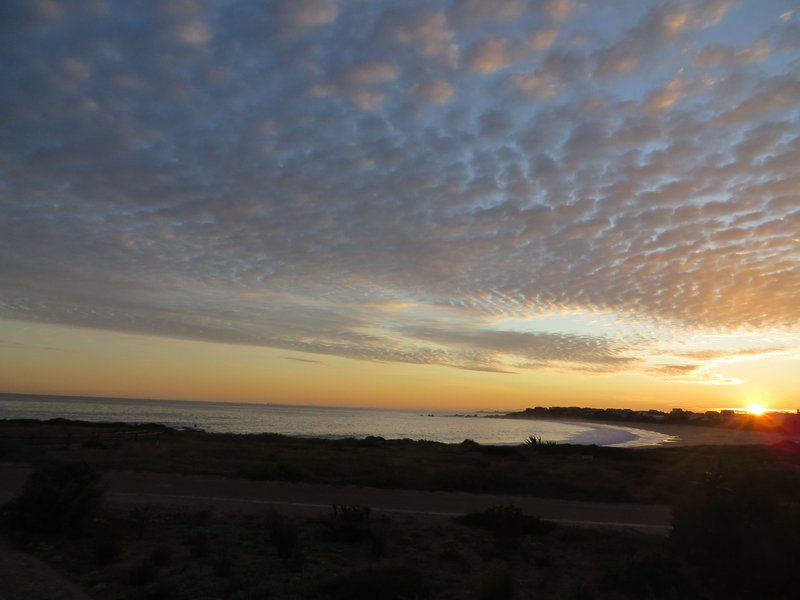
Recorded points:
(756, 409)
(51, 359)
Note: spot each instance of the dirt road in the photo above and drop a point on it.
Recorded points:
(128, 488)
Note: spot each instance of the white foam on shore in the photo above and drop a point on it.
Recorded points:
(618, 436)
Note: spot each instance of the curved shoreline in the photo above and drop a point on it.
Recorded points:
(688, 435)
(618, 437)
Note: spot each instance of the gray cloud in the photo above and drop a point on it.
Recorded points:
(270, 173)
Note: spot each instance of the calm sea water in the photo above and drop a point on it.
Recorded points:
(316, 421)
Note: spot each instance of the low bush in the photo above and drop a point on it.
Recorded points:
(384, 582)
(284, 536)
(161, 556)
(350, 524)
(57, 498)
(506, 520)
(536, 441)
(735, 528)
(142, 518)
(107, 551)
(497, 585)
(142, 573)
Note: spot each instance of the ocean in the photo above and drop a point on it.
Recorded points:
(322, 421)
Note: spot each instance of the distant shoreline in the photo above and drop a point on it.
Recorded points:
(684, 435)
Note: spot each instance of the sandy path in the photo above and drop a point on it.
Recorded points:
(128, 488)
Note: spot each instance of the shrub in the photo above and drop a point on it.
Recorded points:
(57, 498)
(508, 452)
(536, 441)
(142, 518)
(497, 585)
(378, 542)
(161, 556)
(94, 443)
(198, 542)
(506, 520)
(107, 551)
(735, 529)
(284, 536)
(142, 573)
(350, 523)
(385, 582)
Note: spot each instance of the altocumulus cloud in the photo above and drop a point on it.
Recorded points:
(388, 181)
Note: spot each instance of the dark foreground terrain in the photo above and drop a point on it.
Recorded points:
(591, 473)
(736, 523)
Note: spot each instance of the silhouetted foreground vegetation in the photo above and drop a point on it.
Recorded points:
(657, 475)
(734, 537)
(56, 498)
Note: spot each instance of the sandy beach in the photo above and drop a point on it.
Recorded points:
(690, 435)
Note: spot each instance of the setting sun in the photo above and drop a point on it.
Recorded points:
(756, 409)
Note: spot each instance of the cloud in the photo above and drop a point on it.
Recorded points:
(303, 360)
(542, 86)
(660, 26)
(666, 96)
(675, 370)
(434, 92)
(302, 14)
(560, 10)
(715, 354)
(488, 56)
(319, 177)
(539, 348)
(728, 56)
(194, 32)
(489, 9)
(778, 92)
(540, 41)
(13, 345)
(373, 71)
(428, 30)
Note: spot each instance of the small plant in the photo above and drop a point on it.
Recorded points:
(497, 585)
(284, 536)
(142, 573)
(378, 543)
(161, 556)
(57, 497)
(350, 523)
(94, 443)
(386, 583)
(198, 543)
(142, 518)
(107, 551)
(507, 520)
(222, 565)
(536, 441)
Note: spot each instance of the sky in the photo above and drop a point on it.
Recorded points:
(447, 204)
